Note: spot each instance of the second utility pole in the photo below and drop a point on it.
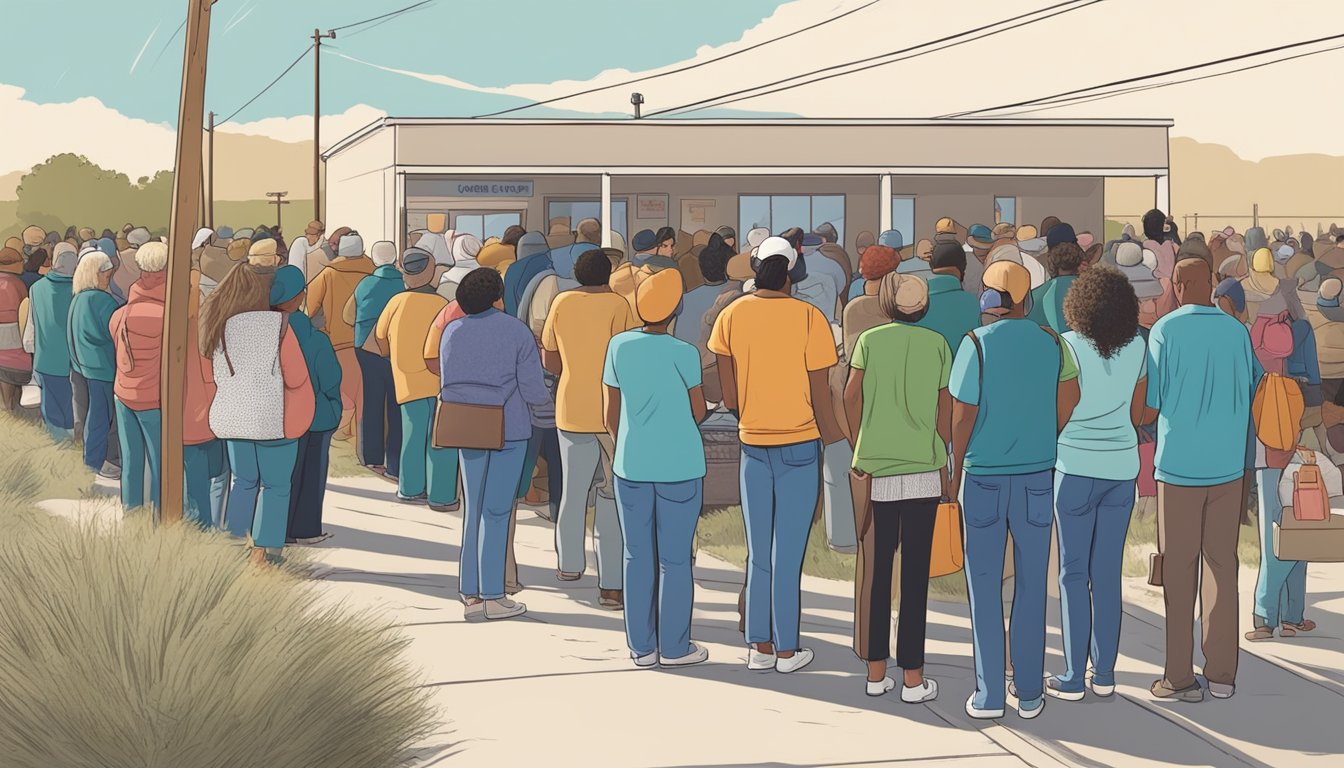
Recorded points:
(317, 119)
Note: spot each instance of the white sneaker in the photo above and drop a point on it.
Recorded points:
(1102, 690)
(759, 662)
(982, 714)
(645, 661)
(474, 610)
(503, 608)
(881, 686)
(1221, 690)
(1032, 713)
(800, 658)
(697, 655)
(926, 692)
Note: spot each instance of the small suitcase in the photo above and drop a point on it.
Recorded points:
(723, 457)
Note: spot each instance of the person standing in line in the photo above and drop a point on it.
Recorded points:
(1015, 386)
(93, 359)
(309, 243)
(489, 358)
(428, 474)
(1096, 474)
(952, 311)
(204, 460)
(16, 364)
(653, 406)
(1201, 454)
(774, 355)
(327, 297)
(380, 423)
(1066, 259)
(309, 482)
(574, 342)
(49, 308)
(263, 399)
(900, 412)
(137, 333)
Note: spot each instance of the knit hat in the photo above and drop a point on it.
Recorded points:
(945, 226)
(138, 237)
(351, 245)
(415, 260)
(911, 292)
(980, 236)
(947, 255)
(757, 236)
(728, 233)
(892, 239)
(643, 241)
(288, 284)
(245, 233)
(224, 233)
(657, 296)
(262, 253)
(877, 261)
(1233, 291)
(1262, 261)
(466, 247)
(1060, 233)
(1004, 277)
(64, 259)
(384, 252)
(1328, 295)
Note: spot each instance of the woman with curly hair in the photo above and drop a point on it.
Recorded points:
(1095, 474)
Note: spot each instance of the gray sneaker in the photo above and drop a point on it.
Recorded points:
(1221, 690)
(110, 471)
(1191, 694)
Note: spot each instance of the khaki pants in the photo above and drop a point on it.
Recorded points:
(352, 391)
(1200, 526)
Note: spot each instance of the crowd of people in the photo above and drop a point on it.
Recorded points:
(1039, 377)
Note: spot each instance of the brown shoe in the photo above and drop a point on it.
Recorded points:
(1191, 693)
(611, 599)
(566, 576)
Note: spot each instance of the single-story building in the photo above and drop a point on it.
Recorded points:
(859, 175)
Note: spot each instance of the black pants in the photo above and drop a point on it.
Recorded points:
(308, 487)
(380, 423)
(909, 526)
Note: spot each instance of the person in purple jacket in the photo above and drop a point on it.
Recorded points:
(490, 358)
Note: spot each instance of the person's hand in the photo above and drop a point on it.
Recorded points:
(951, 486)
(858, 474)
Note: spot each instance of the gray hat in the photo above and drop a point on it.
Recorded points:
(64, 259)
(224, 233)
(531, 244)
(350, 246)
(138, 237)
(414, 261)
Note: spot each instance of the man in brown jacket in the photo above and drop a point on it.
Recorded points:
(327, 296)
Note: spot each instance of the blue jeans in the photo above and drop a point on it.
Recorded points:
(489, 479)
(140, 433)
(1093, 519)
(58, 405)
(197, 460)
(1281, 587)
(658, 523)
(263, 474)
(380, 421)
(424, 468)
(220, 480)
(98, 423)
(994, 506)
(780, 485)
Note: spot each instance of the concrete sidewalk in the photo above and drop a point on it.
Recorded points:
(556, 687)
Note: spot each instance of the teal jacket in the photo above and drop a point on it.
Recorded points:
(49, 307)
(952, 311)
(323, 371)
(1048, 303)
(371, 297)
(91, 352)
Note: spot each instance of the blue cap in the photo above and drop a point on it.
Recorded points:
(980, 233)
(415, 260)
(643, 240)
(1233, 290)
(891, 239)
(225, 233)
(288, 284)
(812, 240)
(1060, 233)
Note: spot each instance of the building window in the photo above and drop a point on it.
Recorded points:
(780, 212)
(578, 210)
(1005, 210)
(486, 224)
(903, 218)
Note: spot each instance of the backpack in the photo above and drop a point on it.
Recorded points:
(1272, 339)
(249, 400)
(1310, 501)
(1277, 412)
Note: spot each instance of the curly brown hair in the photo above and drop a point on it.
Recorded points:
(1101, 306)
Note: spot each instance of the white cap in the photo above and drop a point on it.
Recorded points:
(777, 246)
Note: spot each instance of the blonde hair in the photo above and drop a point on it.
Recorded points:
(246, 288)
(90, 266)
(152, 256)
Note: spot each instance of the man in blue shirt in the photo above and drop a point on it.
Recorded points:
(1014, 386)
(1200, 381)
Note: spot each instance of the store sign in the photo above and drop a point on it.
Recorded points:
(478, 188)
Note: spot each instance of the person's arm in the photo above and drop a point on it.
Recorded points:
(384, 326)
(531, 382)
(945, 408)
(550, 344)
(1138, 409)
(728, 383)
(963, 422)
(317, 293)
(854, 404)
(432, 341)
(964, 388)
(611, 415)
(822, 409)
(699, 411)
(550, 360)
(348, 312)
(1067, 393)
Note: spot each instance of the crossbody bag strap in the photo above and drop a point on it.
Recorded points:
(280, 340)
(224, 345)
(979, 358)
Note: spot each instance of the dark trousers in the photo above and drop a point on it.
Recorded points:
(309, 485)
(545, 443)
(380, 422)
(95, 421)
(909, 526)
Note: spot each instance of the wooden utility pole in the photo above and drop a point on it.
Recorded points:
(317, 119)
(277, 202)
(210, 191)
(186, 205)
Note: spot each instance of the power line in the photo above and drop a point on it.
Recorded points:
(1075, 100)
(383, 16)
(686, 68)
(292, 65)
(953, 40)
(1128, 80)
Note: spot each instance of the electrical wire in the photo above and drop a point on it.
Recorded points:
(294, 64)
(383, 16)
(953, 40)
(1128, 80)
(685, 68)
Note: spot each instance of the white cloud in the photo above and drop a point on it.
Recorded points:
(300, 128)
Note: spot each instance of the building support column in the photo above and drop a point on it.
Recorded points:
(1162, 194)
(884, 202)
(400, 235)
(606, 210)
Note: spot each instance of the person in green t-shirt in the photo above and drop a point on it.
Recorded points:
(900, 412)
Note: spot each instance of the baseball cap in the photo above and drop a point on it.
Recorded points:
(1005, 277)
(979, 236)
(415, 260)
(945, 226)
(777, 246)
(892, 239)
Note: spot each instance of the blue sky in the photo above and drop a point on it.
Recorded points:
(132, 58)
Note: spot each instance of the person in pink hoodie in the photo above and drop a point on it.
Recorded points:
(263, 399)
(202, 455)
(137, 330)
